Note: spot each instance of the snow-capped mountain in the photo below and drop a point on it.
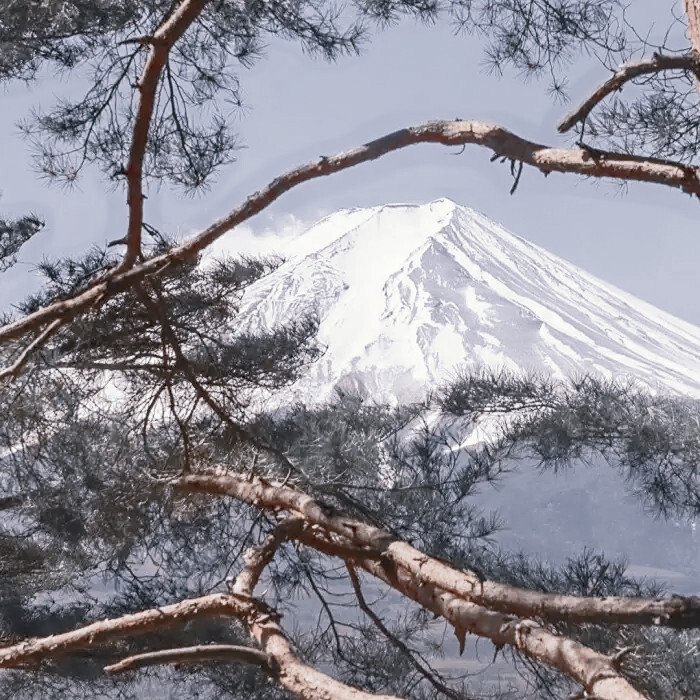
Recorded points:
(407, 293)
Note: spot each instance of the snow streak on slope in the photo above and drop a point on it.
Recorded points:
(407, 293)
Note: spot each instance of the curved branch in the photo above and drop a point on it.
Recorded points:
(302, 680)
(33, 651)
(281, 662)
(630, 71)
(500, 141)
(294, 675)
(159, 45)
(371, 542)
(257, 558)
(193, 655)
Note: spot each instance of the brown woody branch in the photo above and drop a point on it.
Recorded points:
(495, 611)
(294, 675)
(500, 141)
(159, 46)
(657, 64)
(33, 651)
(16, 367)
(366, 541)
(596, 672)
(276, 655)
(194, 655)
(257, 558)
(304, 681)
(692, 11)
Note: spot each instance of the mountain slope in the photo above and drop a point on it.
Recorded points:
(407, 293)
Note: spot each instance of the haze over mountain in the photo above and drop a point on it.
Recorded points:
(407, 293)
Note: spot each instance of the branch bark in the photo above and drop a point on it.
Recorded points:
(657, 64)
(159, 46)
(495, 611)
(194, 655)
(32, 651)
(281, 662)
(500, 141)
(371, 542)
(302, 680)
(692, 12)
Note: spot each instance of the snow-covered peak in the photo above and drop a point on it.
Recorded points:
(407, 293)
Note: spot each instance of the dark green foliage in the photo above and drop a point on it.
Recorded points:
(415, 472)
(13, 235)
(66, 277)
(61, 31)
(653, 439)
(190, 135)
(539, 37)
(88, 489)
(149, 384)
(662, 121)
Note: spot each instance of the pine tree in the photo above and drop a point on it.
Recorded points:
(145, 496)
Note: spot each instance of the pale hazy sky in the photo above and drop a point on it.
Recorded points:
(645, 241)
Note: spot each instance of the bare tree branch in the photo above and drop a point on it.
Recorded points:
(450, 133)
(657, 64)
(370, 541)
(193, 655)
(294, 675)
(257, 558)
(692, 12)
(593, 670)
(262, 621)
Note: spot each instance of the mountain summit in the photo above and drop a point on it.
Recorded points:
(407, 293)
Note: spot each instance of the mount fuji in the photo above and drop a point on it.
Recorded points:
(407, 294)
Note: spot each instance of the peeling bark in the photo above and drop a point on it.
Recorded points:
(470, 605)
(281, 662)
(362, 541)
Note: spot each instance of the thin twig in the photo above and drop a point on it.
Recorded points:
(427, 673)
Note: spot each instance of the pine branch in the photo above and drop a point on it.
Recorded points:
(657, 64)
(193, 655)
(496, 611)
(159, 46)
(502, 142)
